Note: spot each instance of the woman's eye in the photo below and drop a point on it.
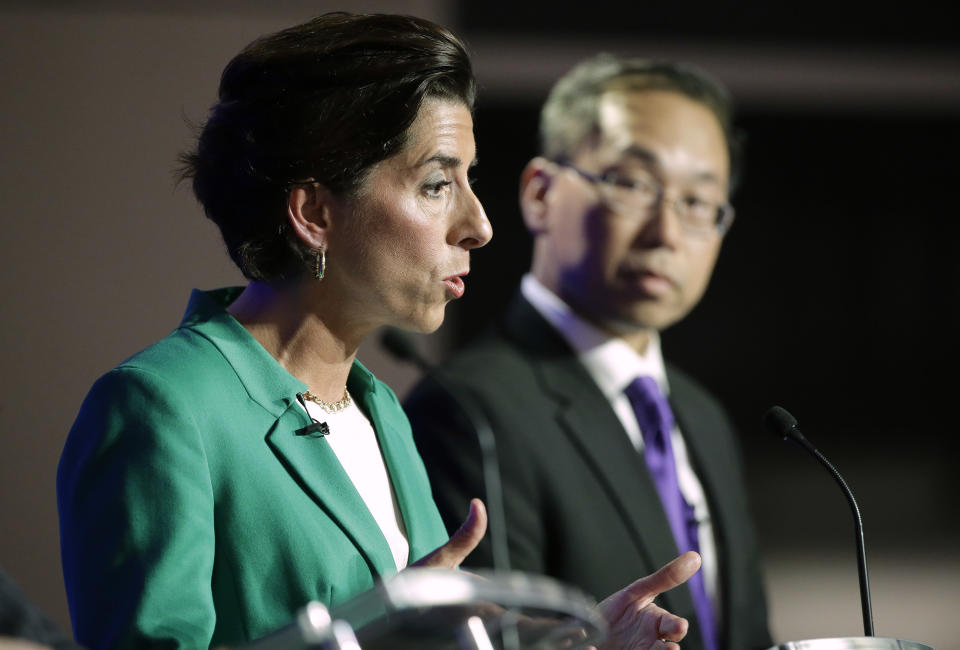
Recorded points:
(436, 190)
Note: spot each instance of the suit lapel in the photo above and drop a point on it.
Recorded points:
(701, 445)
(586, 417)
(599, 436)
(595, 430)
(709, 457)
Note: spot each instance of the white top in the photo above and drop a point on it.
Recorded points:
(613, 364)
(354, 441)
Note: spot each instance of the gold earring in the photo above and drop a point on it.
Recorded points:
(320, 263)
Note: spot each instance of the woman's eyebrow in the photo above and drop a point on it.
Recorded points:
(446, 160)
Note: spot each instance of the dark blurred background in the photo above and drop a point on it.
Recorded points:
(835, 295)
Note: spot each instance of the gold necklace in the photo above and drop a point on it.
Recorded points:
(330, 407)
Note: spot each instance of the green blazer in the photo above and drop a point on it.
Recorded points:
(193, 513)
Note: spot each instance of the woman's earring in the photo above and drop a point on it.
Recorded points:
(320, 264)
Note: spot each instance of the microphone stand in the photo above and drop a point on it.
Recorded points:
(865, 605)
(779, 421)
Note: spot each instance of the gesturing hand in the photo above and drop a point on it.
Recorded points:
(461, 543)
(635, 622)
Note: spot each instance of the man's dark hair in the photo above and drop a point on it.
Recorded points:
(572, 110)
(324, 100)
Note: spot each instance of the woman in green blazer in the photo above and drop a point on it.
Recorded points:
(246, 464)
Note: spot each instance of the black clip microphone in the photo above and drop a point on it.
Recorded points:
(316, 430)
(780, 422)
(401, 347)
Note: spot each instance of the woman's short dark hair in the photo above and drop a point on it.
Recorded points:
(324, 100)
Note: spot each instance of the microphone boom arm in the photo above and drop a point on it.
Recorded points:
(779, 421)
(865, 605)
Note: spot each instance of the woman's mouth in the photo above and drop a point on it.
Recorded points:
(455, 284)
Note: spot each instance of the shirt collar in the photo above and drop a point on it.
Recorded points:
(608, 359)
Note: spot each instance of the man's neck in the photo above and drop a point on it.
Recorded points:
(544, 296)
(638, 339)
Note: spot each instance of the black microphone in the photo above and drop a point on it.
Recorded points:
(401, 346)
(780, 422)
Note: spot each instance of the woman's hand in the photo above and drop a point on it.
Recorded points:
(461, 543)
(635, 622)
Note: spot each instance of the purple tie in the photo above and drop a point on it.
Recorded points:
(656, 423)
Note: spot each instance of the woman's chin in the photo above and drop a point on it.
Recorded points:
(424, 322)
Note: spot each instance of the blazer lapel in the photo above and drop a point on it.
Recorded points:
(399, 455)
(410, 498)
(309, 460)
(313, 464)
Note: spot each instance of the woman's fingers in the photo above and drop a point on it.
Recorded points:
(462, 542)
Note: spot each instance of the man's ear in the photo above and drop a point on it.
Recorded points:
(308, 211)
(534, 184)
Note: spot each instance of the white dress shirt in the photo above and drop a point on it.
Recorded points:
(613, 364)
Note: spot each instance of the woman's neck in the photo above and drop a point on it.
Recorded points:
(289, 324)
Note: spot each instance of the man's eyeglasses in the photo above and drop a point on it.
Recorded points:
(635, 196)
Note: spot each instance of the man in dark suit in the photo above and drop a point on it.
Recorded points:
(611, 459)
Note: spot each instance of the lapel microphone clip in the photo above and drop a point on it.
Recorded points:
(317, 429)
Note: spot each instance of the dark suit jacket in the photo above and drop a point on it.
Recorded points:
(580, 505)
